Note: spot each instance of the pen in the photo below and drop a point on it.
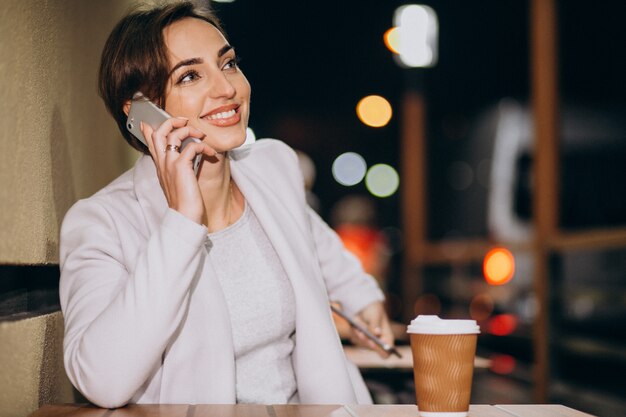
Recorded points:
(385, 346)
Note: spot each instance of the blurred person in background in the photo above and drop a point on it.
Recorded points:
(308, 173)
(354, 219)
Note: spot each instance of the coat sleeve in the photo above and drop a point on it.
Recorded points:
(119, 313)
(345, 279)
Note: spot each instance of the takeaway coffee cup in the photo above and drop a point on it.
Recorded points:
(443, 364)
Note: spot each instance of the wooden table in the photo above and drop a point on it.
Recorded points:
(245, 410)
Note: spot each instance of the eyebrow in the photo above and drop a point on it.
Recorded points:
(195, 61)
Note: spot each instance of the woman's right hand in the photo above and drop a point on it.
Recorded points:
(174, 168)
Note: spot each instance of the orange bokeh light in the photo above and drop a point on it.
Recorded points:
(498, 266)
(392, 41)
(374, 111)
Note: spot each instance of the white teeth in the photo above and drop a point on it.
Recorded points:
(222, 115)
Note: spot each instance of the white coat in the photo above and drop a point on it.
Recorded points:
(145, 318)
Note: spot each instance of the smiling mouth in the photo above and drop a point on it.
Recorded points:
(222, 115)
(226, 117)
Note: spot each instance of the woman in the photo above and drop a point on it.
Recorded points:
(207, 289)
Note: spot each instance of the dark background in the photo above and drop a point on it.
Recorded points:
(309, 64)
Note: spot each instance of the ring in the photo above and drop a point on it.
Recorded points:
(172, 148)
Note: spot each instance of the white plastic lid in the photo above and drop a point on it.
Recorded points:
(435, 325)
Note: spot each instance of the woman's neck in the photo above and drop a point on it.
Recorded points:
(219, 194)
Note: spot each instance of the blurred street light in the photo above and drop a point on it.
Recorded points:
(349, 169)
(374, 111)
(414, 38)
(498, 266)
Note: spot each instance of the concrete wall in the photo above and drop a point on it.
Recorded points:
(31, 352)
(57, 144)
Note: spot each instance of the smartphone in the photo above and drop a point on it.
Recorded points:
(386, 347)
(143, 110)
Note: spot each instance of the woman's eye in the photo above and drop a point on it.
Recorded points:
(187, 77)
(232, 63)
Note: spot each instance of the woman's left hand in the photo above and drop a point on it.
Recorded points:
(375, 319)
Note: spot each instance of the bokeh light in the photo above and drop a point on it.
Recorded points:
(427, 304)
(365, 243)
(417, 34)
(502, 325)
(481, 307)
(498, 266)
(502, 364)
(392, 40)
(374, 111)
(582, 306)
(382, 180)
(349, 168)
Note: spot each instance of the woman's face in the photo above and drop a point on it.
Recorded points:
(205, 84)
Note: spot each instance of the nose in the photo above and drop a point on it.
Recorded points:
(221, 87)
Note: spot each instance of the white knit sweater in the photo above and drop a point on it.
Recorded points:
(262, 311)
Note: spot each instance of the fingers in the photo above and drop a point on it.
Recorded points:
(164, 142)
(175, 166)
(195, 148)
(147, 130)
(375, 319)
(386, 335)
(359, 338)
(176, 136)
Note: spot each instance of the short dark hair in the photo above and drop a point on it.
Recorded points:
(134, 58)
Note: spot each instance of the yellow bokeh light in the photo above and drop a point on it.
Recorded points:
(374, 111)
(392, 40)
(382, 180)
(498, 266)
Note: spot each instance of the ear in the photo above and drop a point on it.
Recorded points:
(127, 107)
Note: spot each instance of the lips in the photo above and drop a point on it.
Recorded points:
(223, 116)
